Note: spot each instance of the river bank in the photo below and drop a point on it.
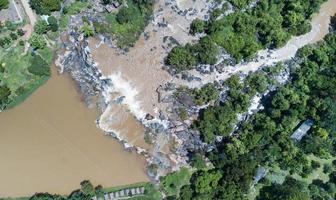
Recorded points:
(137, 88)
(50, 143)
(219, 72)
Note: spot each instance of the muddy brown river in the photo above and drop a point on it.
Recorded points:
(50, 143)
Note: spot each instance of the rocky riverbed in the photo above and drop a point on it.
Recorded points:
(135, 94)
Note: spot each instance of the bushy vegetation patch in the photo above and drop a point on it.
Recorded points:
(3, 4)
(269, 24)
(45, 7)
(21, 74)
(128, 23)
(264, 139)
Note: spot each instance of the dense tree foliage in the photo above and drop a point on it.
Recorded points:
(86, 192)
(41, 27)
(291, 189)
(264, 138)
(269, 24)
(240, 3)
(172, 182)
(205, 94)
(37, 41)
(333, 23)
(128, 23)
(46, 196)
(45, 7)
(186, 57)
(220, 119)
(181, 58)
(3, 4)
(53, 23)
(197, 26)
(4, 94)
(39, 66)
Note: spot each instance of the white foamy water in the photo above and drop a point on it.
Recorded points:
(126, 90)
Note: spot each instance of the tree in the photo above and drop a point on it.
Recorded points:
(329, 117)
(3, 4)
(315, 164)
(13, 36)
(186, 193)
(20, 32)
(46, 196)
(181, 59)
(205, 94)
(125, 15)
(78, 195)
(172, 182)
(257, 82)
(37, 41)
(4, 96)
(240, 3)
(99, 191)
(333, 23)
(53, 23)
(45, 7)
(38, 66)
(197, 26)
(206, 181)
(197, 161)
(291, 189)
(41, 27)
(207, 51)
(87, 188)
(217, 120)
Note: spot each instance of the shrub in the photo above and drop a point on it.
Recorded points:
(197, 26)
(41, 27)
(174, 181)
(53, 23)
(37, 41)
(13, 36)
(45, 7)
(125, 15)
(38, 66)
(3, 4)
(181, 58)
(4, 95)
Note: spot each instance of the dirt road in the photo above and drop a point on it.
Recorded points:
(32, 18)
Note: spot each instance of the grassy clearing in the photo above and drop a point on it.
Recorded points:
(277, 175)
(76, 7)
(16, 75)
(71, 9)
(173, 182)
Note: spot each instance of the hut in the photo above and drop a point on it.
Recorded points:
(133, 192)
(302, 130)
(106, 197)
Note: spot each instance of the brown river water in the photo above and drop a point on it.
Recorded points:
(50, 143)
